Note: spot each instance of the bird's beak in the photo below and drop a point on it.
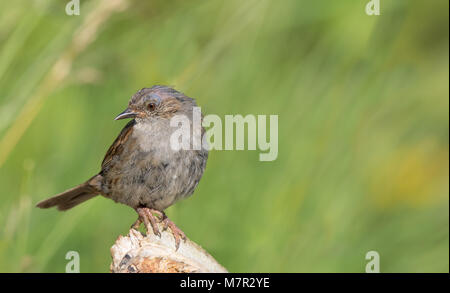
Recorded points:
(126, 114)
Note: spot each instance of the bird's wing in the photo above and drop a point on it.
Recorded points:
(117, 147)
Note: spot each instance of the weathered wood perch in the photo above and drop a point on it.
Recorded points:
(136, 253)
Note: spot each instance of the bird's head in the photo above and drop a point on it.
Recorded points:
(157, 102)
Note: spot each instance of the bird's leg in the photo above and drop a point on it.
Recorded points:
(146, 216)
(137, 223)
(177, 233)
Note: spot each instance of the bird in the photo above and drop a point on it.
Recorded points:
(141, 169)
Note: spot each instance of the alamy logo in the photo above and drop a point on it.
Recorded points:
(188, 136)
(373, 266)
(73, 7)
(73, 266)
(373, 7)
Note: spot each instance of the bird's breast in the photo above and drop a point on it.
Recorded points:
(151, 173)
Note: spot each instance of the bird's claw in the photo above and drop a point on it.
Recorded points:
(136, 224)
(150, 221)
(146, 216)
(177, 233)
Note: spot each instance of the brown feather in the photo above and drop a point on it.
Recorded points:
(72, 197)
(117, 147)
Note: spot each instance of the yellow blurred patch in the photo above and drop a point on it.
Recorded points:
(416, 175)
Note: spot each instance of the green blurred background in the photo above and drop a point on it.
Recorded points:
(363, 128)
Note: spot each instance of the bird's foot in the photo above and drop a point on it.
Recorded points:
(177, 233)
(146, 216)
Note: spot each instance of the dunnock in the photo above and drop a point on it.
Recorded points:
(140, 168)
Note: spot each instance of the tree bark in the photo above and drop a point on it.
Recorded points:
(136, 253)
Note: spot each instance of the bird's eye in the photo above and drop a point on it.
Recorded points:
(151, 106)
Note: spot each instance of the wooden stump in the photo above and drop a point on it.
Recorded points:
(136, 253)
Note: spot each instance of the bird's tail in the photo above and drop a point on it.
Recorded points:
(72, 197)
